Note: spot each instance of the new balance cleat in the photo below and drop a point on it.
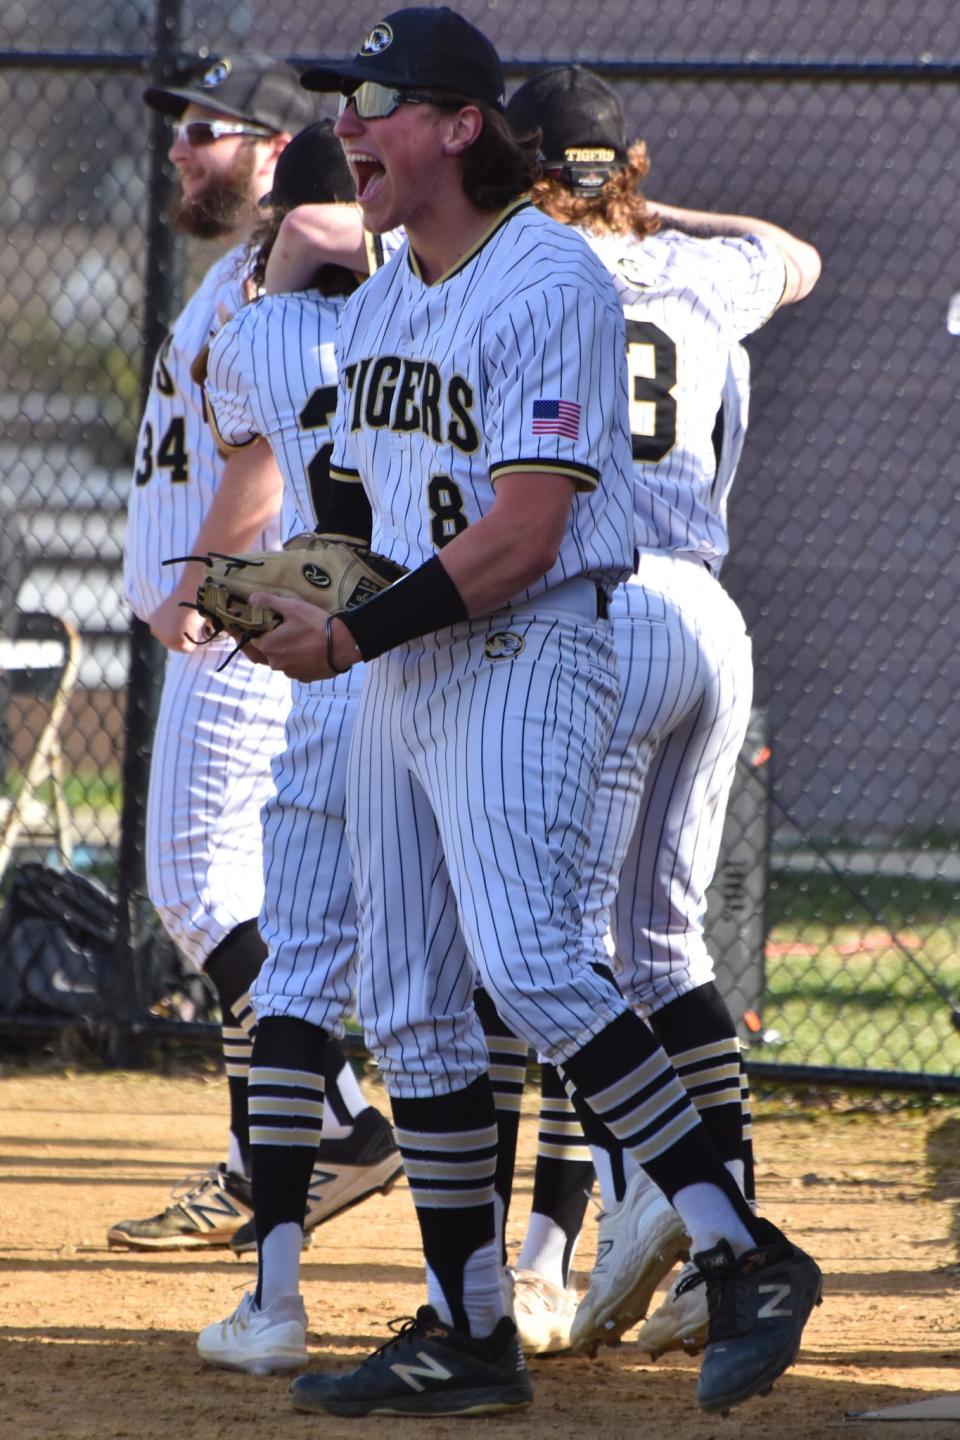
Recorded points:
(758, 1304)
(261, 1342)
(428, 1368)
(544, 1313)
(346, 1172)
(207, 1211)
(681, 1321)
(637, 1245)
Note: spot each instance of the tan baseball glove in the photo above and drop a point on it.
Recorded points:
(326, 572)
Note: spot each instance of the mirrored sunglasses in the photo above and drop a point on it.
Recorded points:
(198, 133)
(375, 102)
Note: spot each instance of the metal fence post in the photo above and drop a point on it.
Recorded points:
(162, 283)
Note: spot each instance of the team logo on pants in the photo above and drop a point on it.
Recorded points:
(504, 645)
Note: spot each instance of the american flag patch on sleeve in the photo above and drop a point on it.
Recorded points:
(556, 417)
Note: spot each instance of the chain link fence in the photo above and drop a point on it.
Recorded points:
(834, 911)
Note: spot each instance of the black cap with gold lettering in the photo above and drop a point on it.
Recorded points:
(581, 121)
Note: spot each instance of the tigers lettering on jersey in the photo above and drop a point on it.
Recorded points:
(395, 392)
(510, 365)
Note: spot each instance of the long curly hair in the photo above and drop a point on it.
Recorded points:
(617, 208)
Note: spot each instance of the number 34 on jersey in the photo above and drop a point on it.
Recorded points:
(168, 451)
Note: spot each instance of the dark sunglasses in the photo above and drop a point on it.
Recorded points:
(198, 133)
(375, 102)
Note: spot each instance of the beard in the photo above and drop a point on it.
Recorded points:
(223, 205)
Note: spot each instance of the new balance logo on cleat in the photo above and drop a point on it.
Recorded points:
(211, 1208)
(428, 1368)
(781, 1295)
(758, 1305)
(207, 1211)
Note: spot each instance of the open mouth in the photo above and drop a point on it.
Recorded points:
(367, 172)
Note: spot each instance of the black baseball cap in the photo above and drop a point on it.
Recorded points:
(312, 170)
(423, 47)
(581, 121)
(252, 86)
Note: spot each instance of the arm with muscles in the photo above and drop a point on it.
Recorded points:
(247, 499)
(311, 236)
(801, 261)
(478, 572)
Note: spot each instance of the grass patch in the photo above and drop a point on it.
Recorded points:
(86, 788)
(840, 991)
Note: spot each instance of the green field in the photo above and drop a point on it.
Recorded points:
(840, 991)
(86, 788)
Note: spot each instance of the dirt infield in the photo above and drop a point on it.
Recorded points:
(99, 1345)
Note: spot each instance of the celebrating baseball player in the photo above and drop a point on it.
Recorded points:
(271, 378)
(218, 728)
(684, 654)
(483, 405)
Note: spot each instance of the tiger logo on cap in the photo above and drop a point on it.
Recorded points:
(216, 75)
(380, 37)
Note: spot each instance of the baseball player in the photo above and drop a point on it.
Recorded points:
(218, 728)
(272, 379)
(271, 374)
(684, 655)
(483, 405)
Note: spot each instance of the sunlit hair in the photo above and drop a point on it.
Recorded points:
(498, 166)
(617, 208)
(328, 279)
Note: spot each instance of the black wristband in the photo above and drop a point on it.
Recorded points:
(421, 602)
(328, 631)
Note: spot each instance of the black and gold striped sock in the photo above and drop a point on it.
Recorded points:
(626, 1079)
(562, 1178)
(286, 1118)
(449, 1148)
(232, 968)
(508, 1075)
(698, 1033)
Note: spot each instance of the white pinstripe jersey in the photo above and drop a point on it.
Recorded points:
(178, 468)
(732, 423)
(687, 302)
(513, 361)
(272, 372)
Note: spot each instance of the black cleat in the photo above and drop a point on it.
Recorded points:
(759, 1304)
(207, 1212)
(428, 1368)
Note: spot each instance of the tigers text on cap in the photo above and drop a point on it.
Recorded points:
(312, 170)
(581, 120)
(423, 47)
(252, 86)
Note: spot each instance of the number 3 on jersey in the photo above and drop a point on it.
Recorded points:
(652, 374)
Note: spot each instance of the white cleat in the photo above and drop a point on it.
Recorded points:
(261, 1342)
(681, 1321)
(544, 1313)
(637, 1245)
